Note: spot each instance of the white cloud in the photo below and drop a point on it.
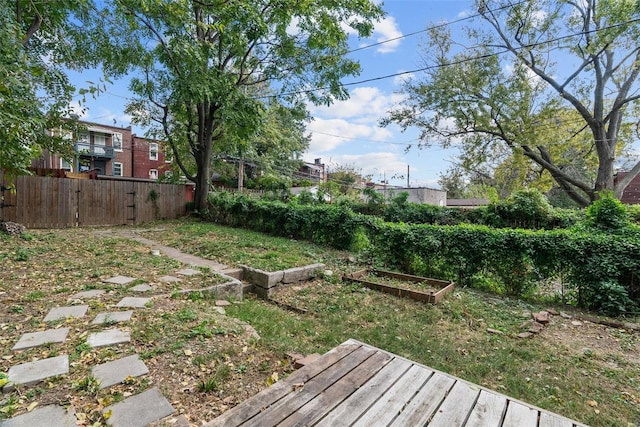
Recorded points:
(377, 164)
(329, 134)
(387, 29)
(403, 78)
(365, 103)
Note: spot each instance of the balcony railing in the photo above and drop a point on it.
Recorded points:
(98, 151)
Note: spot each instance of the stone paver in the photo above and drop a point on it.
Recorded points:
(139, 410)
(115, 372)
(35, 339)
(34, 372)
(120, 280)
(133, 302)
(189, 272)
(113, 317)
(88, 294)
(58, 313)
(142, 288)
(47, 416)
(169, 279)
(108, 337)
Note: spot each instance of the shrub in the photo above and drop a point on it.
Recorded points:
(607, 213)
(599, 267)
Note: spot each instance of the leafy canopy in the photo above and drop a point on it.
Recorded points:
(552, 81)
(203, 67)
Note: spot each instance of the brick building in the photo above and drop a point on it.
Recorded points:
(110, 151)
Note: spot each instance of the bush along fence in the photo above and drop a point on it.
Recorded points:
(598, 268)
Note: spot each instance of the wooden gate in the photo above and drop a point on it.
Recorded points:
(48, 202)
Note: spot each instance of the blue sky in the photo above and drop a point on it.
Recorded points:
(347, 133)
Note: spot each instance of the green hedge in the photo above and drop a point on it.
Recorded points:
(599, 268)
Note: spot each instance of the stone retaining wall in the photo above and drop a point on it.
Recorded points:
(265, 282)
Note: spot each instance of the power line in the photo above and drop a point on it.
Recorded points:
(393, 39)
(458, 62)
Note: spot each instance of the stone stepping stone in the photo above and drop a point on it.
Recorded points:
(46, 416)
(142, 288)
(108, 337)
(112, 317)
(120, 280)
(93, 293)
(34, 372)
(133, 302)
(58, 313)
(115, 372)
(35, 339)
(189, 272)
(139, 410)
(169, 279)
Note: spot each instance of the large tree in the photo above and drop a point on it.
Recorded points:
(39, 41)
(199, 61)
(516, 71)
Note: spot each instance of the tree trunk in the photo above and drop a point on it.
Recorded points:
(203, 179)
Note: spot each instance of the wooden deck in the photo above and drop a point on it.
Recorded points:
(359, 385)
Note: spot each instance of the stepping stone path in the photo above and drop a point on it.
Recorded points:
(34, 372)
(169, 279)
(142, 288)
(133, 302)
(47, 416)
(61, 313)
(35, 339)
(115, 372)
(120, 280)
(134, 411)
(113, 317)
(108, 337)
(87, 294)
(139, 410)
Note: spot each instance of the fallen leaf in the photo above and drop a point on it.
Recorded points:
(188, 352)
(592, 403)
(31, 406)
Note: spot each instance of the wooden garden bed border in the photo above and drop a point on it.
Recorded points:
(430, 297)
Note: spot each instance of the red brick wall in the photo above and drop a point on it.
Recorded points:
(142, 162)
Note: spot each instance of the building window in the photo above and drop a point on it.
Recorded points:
(84, 138)
(153, 151)
(117, 169)
(65, 165)
(117, 141)
(99, 139)
(153, 173)
(168, 156)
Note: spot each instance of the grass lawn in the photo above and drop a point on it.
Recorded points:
(209, 362)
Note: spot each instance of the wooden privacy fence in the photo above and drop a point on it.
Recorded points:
(48, 202)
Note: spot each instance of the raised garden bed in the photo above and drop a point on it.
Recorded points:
(402, 285)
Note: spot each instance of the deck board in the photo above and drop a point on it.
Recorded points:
(395, 399)
(356, 384)
(519, 415)
(454, 410)
(350, 410)
(424, 404)
(488, 410)
(315, 409)
(286, 406)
